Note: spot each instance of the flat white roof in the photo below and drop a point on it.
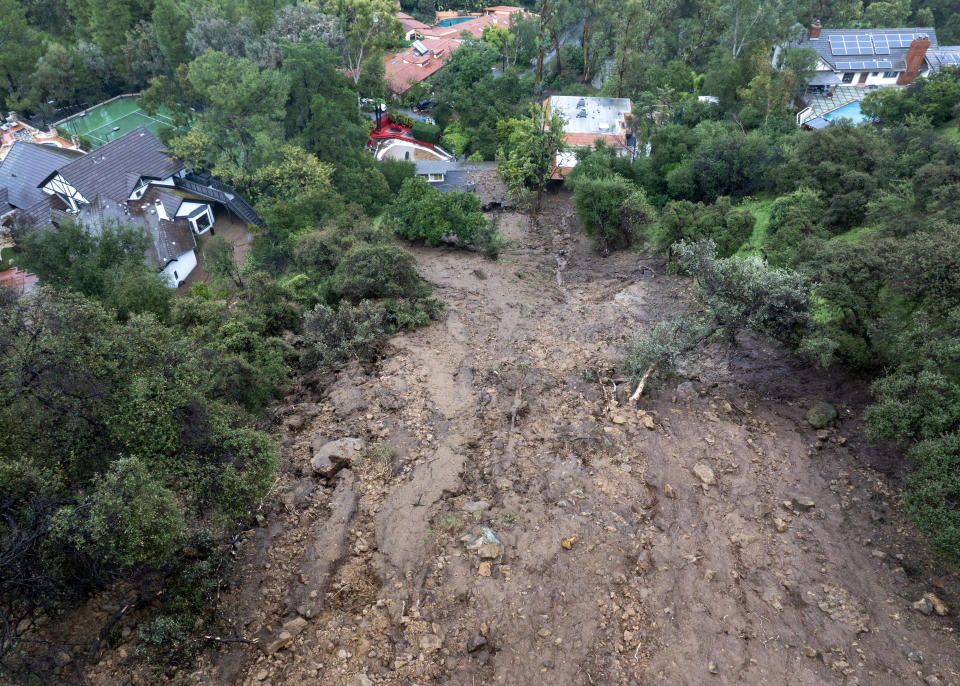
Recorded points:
(603, 115)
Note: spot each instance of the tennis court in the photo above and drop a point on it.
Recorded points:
(110, 120)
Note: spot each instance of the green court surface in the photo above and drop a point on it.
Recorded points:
(111, 120)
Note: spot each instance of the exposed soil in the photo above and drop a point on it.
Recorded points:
(606, 558)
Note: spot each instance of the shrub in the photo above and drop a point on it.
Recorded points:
(612, 210)
(376, 271)
(728, 227)
(396, 172)
(332, 336)
(932, 494)
(428, 133)
(490, 241)
(421, 212)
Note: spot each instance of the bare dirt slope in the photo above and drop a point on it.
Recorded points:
(711, 537)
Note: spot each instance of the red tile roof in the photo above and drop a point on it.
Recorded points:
(407, 67)
(409, 23)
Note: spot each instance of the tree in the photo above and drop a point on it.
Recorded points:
(529, 157)
(612, 210)
(376, 271)
(218, 260)
(243, 107)
(887, 13)
(367, 25)
(107, 267)
(19, 49)
(747, 293)
(171, 23)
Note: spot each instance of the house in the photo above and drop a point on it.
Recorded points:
(411, 27)
(474, 26)
(420, 61)
(505, 11)
(481, 178)
(24, 168)
(391, 140)
(13, 130)
(130, 180)
(874, 57)
(587, 120)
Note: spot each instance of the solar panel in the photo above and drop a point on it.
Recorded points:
(880, 44)
(851, 44)
(949, 57)
(868, 65)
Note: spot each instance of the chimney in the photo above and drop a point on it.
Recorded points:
(914, 60)
(815, 28)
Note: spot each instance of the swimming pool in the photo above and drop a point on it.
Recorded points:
(849, 111)
(454, 21)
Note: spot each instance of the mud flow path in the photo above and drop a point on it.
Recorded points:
(511, 520)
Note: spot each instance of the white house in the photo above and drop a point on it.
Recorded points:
(130, 180)
(874, 57)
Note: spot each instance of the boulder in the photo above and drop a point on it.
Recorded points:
(331, 456)
(821, 414)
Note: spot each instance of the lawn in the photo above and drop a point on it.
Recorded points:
(760, 207)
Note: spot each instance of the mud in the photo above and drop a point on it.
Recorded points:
(616, 563)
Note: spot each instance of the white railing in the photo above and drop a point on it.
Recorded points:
(802, 114)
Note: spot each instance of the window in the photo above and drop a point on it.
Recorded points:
(406, 155)
(876, 73)
(848, 77)
(891, 74)
(175, 275)
(435, 178)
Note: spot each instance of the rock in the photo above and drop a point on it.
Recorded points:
(489, 551)
(932, 680)
(295, 626)
(687, 390)
(330, 457)
(779, 525)
(261, 675)
(923, 606)
(938, 605)
(430, 642)
(761, 509)
(712, 668)
(567, 543)
(476, 506)
(803, 504)
(809, 652)
(742, 539)
(710, 574)
(646, 420)
(282, 641)
(544, 633)
(295, 422)
(879, 554)
(669, 491)
(915, 656)
(62, 658)
(821, 414)
(361, 680)
(485, 568)
(705, 474)
(475, 643)
(618, 419)
(299, 494)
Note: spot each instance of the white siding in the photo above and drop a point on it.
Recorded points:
(180, 268)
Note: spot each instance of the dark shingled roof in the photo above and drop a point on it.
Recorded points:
(113, 170)
(481, 178)
(171, 202)
(4, 205)
(896, 54)
(169, 239)
(25, 167)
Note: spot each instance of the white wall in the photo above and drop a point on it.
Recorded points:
(396, 149)
(180, 268)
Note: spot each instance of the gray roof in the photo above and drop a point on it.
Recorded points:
(817, 123)
(114, 170)
(868, 46)
(4, 205)
(171, 202)
(481, 178)
(25, 167)
(170, 239)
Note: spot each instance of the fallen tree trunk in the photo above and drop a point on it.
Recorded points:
(643, 382)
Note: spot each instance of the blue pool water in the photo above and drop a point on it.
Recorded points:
(454, 21)
(849, 111)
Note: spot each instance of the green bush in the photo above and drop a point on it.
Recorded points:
(727, 226)
(428, 133)
(396, 172)
(421, 212)
(376, 271)
(613, 210)
(932, 494)
(332, 336)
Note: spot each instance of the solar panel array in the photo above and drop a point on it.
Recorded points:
(874, 65)
(851, 44)
(869, 44)
(949, 57)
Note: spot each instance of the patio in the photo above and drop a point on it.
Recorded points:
(820, 103)
(229, 227)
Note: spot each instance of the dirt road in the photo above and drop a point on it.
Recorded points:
(513, 521)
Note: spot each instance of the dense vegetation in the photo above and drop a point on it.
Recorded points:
(132, 449)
